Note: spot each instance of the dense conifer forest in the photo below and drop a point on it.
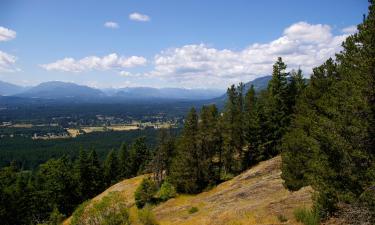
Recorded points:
(323, 129)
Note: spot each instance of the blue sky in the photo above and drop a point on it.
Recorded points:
(191, 44)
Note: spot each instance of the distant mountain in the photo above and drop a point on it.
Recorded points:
(259, 85)
(61, 90)
(167, 93)
(7, 89)
(57, 90)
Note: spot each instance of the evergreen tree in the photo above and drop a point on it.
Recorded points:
(251, 130)
(111, 168)
(275, 109)
(96, 175)
(162, 159)
(12, 204)
(125, 163)
(56, 187)
(233, 130)
(185, 172)
(83, 175)
(139, 156)
(209, 144)
(295, 88)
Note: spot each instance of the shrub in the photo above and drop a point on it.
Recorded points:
(367, 200)
(107, 211)
(306, 216)
(166, 191)
(193, 210)
(146, 217)
(226, 176)
(56, 217)
(282, 218)
(145, 192)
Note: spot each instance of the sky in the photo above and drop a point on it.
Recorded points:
(168, 43)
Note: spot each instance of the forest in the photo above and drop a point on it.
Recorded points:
(323, 129)
(28, 154)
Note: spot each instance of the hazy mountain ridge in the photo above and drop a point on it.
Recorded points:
(70, 91)
(58, 89)
(8, 89)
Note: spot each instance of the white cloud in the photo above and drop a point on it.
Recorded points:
(108, 62)
(139, 17)
(349, 30)
(7, 62)
(111, 24)
(6, 34)
(301, 44)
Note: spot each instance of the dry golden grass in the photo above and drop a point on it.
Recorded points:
(256, 196)
(93, 129)
(73, 132)
(123, 127)
(126, 189)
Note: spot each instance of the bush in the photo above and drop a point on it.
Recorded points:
(166, 191)
(193, 210)
(367, 200)
(146, 217)
(145, 192)
(282, 218)
(56, 217)
(226, 176)
(306, 216)
(108, 211)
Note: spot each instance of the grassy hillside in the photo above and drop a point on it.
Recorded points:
(256, 196)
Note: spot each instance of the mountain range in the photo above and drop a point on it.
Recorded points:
(10, 89)
(57, 90)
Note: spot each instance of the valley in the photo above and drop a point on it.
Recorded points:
(187, 112)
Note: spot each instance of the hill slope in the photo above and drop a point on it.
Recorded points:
(256, 196)
(10, 89)
(61, 90)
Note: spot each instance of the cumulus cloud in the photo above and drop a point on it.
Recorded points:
(111, 24)
(108, 62)
(301, 45)
(349, 30)
(6, 34)
(7, 62)
(139, 17)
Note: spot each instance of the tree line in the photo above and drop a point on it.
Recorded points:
(52, 192)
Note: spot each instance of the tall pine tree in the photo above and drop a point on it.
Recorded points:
(251, 129)
(233, 130)
(275, 109)
(111, 168)
(164, 153)
(125, 162)
(185, 173)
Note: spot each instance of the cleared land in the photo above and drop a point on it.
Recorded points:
(256, 196)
